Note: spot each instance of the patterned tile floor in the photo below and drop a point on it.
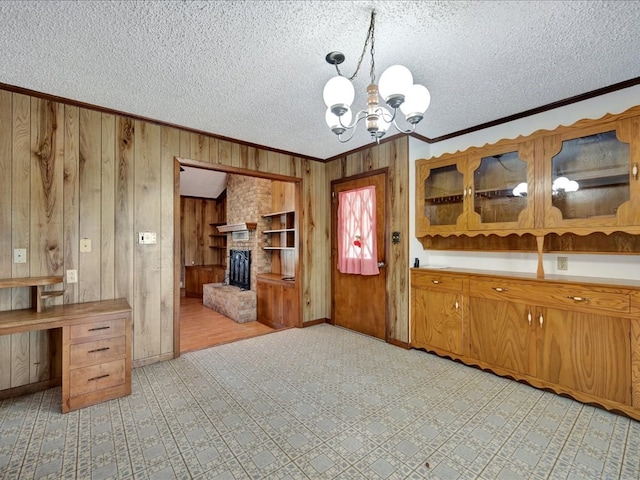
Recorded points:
(317, 403)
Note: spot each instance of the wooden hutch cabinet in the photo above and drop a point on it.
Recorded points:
(574, 189)
(475, 191)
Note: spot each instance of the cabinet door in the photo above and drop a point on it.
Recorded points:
(586, 352)
(502, 188)
(290, 306)
(502, 334)
(437, 320)
(589, 176)
(269, 304)
(440, 193)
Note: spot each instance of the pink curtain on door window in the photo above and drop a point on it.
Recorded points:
(357, 244)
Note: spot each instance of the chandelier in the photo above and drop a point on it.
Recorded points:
(396, 88)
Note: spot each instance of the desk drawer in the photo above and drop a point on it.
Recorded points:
(98, 351)
(99, 329)
(97, 377)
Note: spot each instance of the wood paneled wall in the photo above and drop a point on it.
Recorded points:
(68, 173)
(196, 215)
(395, 156)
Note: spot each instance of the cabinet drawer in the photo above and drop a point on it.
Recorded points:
(566, 297)
(501, 289)
(97, 377)
(571, 297)
(99, 351)
(437, 281)
(99, 329)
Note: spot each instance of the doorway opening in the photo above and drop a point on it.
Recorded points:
(203, 252)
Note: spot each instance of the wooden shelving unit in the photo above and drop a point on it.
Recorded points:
(282, 234)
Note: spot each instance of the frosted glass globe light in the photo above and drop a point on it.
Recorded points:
(416, 103)
(395, 81)
(333, 121)
(572, 186)
(560, 183)
(338, 91)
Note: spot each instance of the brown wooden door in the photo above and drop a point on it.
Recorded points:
(359, 301)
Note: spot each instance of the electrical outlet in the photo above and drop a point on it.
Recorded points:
(19, 255)
(72, 276)
(563, 263)
(85, 245)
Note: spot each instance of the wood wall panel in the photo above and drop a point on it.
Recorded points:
(314, 228)
(46, 230)
(71, 198)
(47, 166)
(170, 148)
(107, 217)
(6, 254)
(147, 200)
(20, 228)
(124, 233)
(90, 176)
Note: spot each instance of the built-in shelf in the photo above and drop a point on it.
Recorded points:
(237, 227)
(280, 230)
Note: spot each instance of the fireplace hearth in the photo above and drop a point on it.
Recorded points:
(240, 269)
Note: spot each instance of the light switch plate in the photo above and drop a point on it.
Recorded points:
(146, 238)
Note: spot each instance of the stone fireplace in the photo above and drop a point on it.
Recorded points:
(247, 199)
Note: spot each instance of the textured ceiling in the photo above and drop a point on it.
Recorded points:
(254, 70)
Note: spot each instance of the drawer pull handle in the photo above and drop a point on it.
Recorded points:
(500, 289)
(541, 320)
(580, 299)
(98, 328)
(457, 305)
(436, 281)
(529, 317)
(103, 349)
(98, 377)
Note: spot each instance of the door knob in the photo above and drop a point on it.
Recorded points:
(380, 264)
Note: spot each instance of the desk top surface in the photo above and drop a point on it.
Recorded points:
(13, 321)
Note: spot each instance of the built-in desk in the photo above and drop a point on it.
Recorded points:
(96, 347)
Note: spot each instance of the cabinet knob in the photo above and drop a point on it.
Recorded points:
(457, 305)
(436, 281)
(529, 317)
(634, 171)
(541, 320)
(500, 289)
(579, 299)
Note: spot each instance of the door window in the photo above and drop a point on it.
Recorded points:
(357, 244)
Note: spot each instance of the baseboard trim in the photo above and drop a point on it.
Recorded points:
(30, 388)
(149, 360)
(398, 343)
(311, 323)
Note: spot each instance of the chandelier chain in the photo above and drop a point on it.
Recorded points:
(370, 38)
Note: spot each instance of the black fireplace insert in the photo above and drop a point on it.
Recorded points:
(240, 268)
